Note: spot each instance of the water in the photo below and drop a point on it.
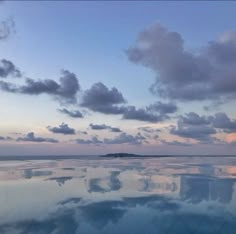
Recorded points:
(108, 196)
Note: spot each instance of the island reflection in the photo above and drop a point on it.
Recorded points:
(154, 195)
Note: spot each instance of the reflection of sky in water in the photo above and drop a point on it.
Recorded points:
(162, 195)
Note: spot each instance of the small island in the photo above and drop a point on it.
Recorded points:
(122, 155)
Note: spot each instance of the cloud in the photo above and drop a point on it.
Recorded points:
(222, 121)
(103, 126)
(101, 99)
(6, 28)
(122, 138)
(94, 140)
(5, 138)
(182, 74)
(194, 119)
(150, 132)
(125, 138)
(163, 108)
(7, 68)
(31, 137)
(111, 101)
(149, 129)
(195, 127)
(73, 114)
(143, 114)
(82, 132)
(65, 91)
(115, 129)
(203, 127)
(175, 143)
(62, 129)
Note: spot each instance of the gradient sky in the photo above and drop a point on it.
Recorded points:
(100, 77)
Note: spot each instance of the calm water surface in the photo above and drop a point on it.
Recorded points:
(109, 196)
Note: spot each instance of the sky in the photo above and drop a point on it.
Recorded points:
(97, 77)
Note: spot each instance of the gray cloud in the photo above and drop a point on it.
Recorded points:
(194, 126)
(73, 114)
(94, 140)
(113, 129)
(163, 108)
(149, 129)
(202, 128)
(5, 138)
(65, 91)
(201, 133)
(62, 129)
(143, 114)
(82, 132)
(125, 138)
(182, 74)
(6, 28)
(103, 126)
(99, 126)
(194, 119)
(222, 121)
(7, 68)
(31, 137)
(122, 138)
(175, 143)
(99, 98)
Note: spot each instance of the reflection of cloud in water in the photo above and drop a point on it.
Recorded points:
(135, 196)
(150, 214)
(29, 173)
(108, 184)
(61, 180)
(196, 189)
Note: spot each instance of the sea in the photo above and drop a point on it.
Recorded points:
(118, 195)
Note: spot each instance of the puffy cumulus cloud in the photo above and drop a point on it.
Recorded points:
(194, 126)
(222, 121)
(201, 133)
(101, 99)
(192, 118)
(31, 137)
(103, 126)
(73, 114)
(7, 68)
(202, 128)
(62, 129)
(64, 91)
(147, 114)
(111, 101)
(6, 28)
(182, 74)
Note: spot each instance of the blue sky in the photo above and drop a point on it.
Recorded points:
(96, 41)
